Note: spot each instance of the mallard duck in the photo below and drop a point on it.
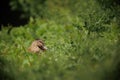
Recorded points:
(37, 46)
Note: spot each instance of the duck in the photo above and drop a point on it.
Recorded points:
(37, 46)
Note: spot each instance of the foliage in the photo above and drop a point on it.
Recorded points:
(38, 8)
(81, 38)
(71, 54)
(109, 3)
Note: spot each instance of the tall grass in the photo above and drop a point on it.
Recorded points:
(81, 45)
(72, 54)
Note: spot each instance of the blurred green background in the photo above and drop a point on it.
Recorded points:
(82, 36)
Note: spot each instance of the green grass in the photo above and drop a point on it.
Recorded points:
(72, 54)
(82, 44)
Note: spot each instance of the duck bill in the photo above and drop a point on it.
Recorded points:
(44, 48)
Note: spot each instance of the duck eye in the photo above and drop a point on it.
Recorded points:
(41, 47)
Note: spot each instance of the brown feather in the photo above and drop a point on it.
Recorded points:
(37, 46)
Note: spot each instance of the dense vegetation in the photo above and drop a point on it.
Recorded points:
(82, 39)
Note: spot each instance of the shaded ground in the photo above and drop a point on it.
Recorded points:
(8, 17)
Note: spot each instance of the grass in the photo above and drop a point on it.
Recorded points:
(72, 54)
(80, 47)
